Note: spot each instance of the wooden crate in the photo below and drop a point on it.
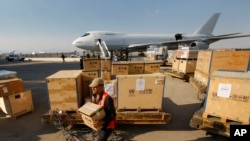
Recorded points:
(136, 67)
(105, 64)
(91, 64)
(212, 60)
(143, 91)
(229, 96)
(89, 75)
(186, 54)
(175, 65)
(17, 104)
(11, 86)
(201, 77)
(120, 68)
(152, 67)
(187, 66)
(106, 75)
(65, 90)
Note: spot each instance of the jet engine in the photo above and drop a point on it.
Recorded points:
(199, 45)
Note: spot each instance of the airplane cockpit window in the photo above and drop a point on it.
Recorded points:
(86, 34)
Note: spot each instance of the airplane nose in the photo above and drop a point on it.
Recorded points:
(76, 43)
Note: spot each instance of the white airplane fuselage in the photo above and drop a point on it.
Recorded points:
(201, 38)
(116, 40)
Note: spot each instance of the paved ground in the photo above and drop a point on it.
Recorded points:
(179, 100)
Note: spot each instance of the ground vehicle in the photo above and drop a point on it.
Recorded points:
(14, 57)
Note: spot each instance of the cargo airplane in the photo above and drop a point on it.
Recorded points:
(199, 39)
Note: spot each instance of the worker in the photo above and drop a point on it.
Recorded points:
(100, 97)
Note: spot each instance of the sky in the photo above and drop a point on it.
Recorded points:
(51, 25)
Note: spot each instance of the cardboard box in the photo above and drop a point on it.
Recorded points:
(143, 91)
(17, 104)
(90, 113)
(229, 96)
(152, 67)
(11, 86)
(91, 64)
(65, 90)
(136, 67)
(120, 68)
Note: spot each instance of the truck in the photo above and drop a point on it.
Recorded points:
(14, 57)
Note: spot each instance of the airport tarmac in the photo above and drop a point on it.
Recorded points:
(180, 100)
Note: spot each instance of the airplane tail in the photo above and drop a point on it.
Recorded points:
(209, 25)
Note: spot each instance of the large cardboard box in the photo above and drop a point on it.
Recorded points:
(17, 104)
(65, 90)
(143, 91)
(136, 67)
(229, 96)
(152, 67)
(120, 68)
(91, 64)
(11, 86)
(90, 113)
(187, 66)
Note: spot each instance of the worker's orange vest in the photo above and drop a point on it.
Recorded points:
(101, 102)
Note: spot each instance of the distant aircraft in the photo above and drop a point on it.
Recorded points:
(109, 41)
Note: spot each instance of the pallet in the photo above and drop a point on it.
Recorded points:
(212, 124)
(21, 113)
(140, 110)
(59, 118)
(201, 89)
(143, 117)
(179, 75)
(223, 119)
(62, 117)
(14, 116)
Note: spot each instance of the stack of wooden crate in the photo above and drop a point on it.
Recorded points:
(14, 99)
(185, 61)
(211, 60)
(136, 67)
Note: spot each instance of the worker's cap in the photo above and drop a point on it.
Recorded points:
(96, 82)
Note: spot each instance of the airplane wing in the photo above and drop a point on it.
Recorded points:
(189, 41)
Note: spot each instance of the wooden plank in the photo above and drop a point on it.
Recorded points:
(143, 117)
